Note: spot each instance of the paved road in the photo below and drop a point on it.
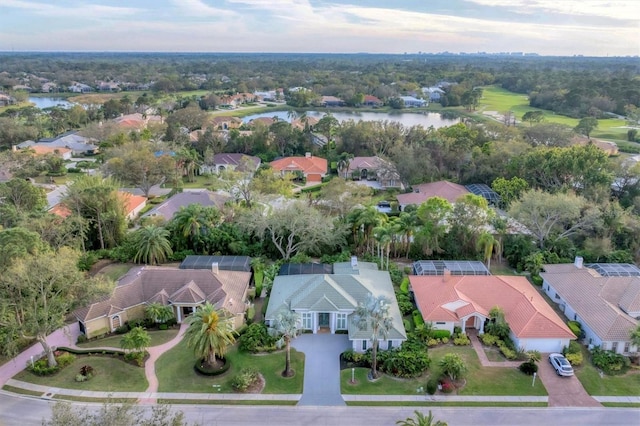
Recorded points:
(321, 367)
(29, 411)
(563, 391)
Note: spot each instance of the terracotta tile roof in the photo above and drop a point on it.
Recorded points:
(60, 210)
(452, 297)
(359, 163)
(226, 289)
(266, 121)
(596, 299)
(43, 150)
(371, 99)
(131, 202)
(304, 164)
(421, 193)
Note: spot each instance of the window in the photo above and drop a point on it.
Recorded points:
(575, 317)
(614, 347)
(626, 347)
(307, 320)
(389, 344)
(341, 321)
(364, 345)
(440, 323)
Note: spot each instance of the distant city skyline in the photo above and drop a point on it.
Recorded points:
(545, 27)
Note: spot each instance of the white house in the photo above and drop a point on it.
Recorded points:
(412, 102)
(603, 297)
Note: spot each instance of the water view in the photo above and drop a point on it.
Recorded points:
(49, 102)
(408, 119)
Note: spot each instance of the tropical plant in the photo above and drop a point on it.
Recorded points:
(210, 333)
(487, 244)
(634, 337)
(453, 366)
(421, 420)
(286, 326)
(152, 245)
(373, 315)
(136, 340)
(158, 312)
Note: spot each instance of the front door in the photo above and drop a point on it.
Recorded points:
(323, 319)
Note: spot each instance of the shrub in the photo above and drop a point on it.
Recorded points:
(575, 327)
(86, 370)
(137, 356)
(87, 260)
(537, 280)
(610, 362)
(432, 342)
(446, 385)
(256, 338)
(352, 356)
(432, 386)
(124, 328)
(171, 322)
(445, 340)
(457, 330)
(41, 368)
(488, 339)
(244, 380)
(507, 352)
(462, 340)
(65, 359)
(163, 327)
(529, 368)
(439, 334)
(573, 348)
(574, 359)
(81, 338)
(81, 378)
(409, 360)
(404, 303)
(404, 285)
(251, 313)
(417, 318)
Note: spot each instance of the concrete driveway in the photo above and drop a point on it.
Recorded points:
(321, 367)
(563, 391)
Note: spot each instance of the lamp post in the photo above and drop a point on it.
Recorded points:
(534, 379)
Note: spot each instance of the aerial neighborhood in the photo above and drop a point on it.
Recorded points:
(355, 231)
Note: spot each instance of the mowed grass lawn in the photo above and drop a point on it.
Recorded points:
(158, 337)
(624, 385)
(112, 375)
(115, 271)
(495, 98)
(176, 374)
(480, 380)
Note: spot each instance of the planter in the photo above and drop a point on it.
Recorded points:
(202, 368)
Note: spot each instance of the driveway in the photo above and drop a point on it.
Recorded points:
(321, 367)
(563, 391)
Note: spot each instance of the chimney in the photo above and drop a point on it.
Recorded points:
(354, 262)
(307, 154)
(214, 268)
(446, 274)
(578, 262)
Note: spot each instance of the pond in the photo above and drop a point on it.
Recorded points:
(48, 102)
(407, 119)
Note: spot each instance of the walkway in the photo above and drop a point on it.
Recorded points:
(484, 361)
(150, 365)
(321, 367)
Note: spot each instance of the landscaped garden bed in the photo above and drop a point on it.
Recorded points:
(158, 337)
(597, 384)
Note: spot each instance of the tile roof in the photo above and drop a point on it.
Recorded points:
(131, 202)
(236, 159)
(448, 190)
(40, 149)
(599, 301)
(226, 289)
(171, 206)
(451, 297)
(311, 164)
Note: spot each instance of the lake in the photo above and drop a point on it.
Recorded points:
(407, 119)
(49, 102)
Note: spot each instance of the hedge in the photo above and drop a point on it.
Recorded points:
(404, 285)
(439, 334)
(417, 318)
(575, 327)
(91, 351)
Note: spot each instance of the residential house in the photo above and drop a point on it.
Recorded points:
(79, 145)
(374, 169)
(448, 190)
(372, 101)
(306, 123)
(223, 122)
(133, 205)
(434, 93)
(79, 88)
(234, 101)
(6, 100)
(312, 168)
(108, 86)
(262, 121)
(447, 301)
(171, 206)
(49, 87)
(412, 102)
(182, 289)
(137, 121)
(231, 161)
(326, 302)
(603, 297)
(331, 101)
(40, 150)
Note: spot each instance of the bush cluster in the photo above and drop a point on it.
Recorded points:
(256, 338)
(409, 360)
(137, 357)
(432, 386)
(610, 362)
(506, 350)
(404, 303)
(462, 340)
(489, 339)
(417, 318)
(439, 334)
(529, 368)
(573, 353)
(41, 366)
(575, 327)
(245, 379)
(86, 373)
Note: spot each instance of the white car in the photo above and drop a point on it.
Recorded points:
(561, 365)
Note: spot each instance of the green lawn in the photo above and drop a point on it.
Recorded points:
(199, 182)
(495, 98)
(115, 271)
(480, 380)
(175, 372)
(624, 385)
(112, 375)
(158, 337)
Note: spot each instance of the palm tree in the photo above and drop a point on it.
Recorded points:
(634, 336)
(405, 225)
(373, 315)
(192, 221)
(158, 312)
(190, 161)
(421, 420)
(210, 333)
(286, 325)
(488, 243)
(136, 340)
(152, 245)
(343, 164)
(383, 235)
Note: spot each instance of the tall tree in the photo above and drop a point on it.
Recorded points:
(286, 325)
(210, 333)
(152, 245)
(487, 244)
(586, 126)
(432, 216)
(533, 117)
(37, 292)
(191, 223)
(16, 243)
(373, 315)
(24, 196)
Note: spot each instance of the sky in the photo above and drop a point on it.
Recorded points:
(546, 27)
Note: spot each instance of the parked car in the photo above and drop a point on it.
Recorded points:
(561, 365)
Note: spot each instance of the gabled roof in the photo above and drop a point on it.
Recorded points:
(238, 160)
(448, 190)
(369, 163)
(171, 206)
(310, 164)
(149, 284)
(450, 298)
(599, 301)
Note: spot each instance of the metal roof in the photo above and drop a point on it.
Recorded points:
(455, 267)
(615, 269)
(225, 263)
(305, 269)
(484, 191)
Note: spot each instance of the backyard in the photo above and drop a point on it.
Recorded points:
(115, 271)
(479, 380)
(176, 374)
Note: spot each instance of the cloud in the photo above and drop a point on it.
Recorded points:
(198, 8)
(81, 10)
(621, 9)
